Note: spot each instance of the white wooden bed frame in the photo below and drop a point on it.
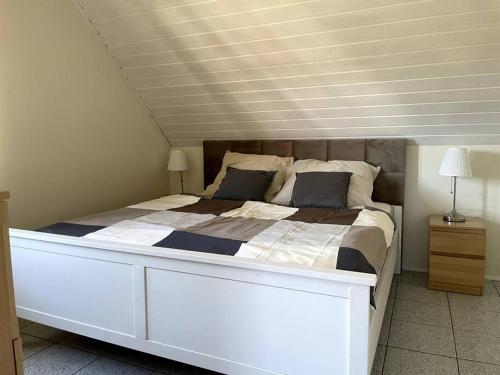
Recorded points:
(227, 314)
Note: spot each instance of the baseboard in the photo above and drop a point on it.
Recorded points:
(493, 277)
(415, 269)
(418, 269)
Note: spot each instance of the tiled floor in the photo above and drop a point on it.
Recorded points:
(433, 332)
(424, 332)
(49, 351)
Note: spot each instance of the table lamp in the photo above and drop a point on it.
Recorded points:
(177, 162)
(455, 164)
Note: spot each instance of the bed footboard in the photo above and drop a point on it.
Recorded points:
(232, 316)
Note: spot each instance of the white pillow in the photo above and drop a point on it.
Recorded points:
(253, 162)
(360, 186)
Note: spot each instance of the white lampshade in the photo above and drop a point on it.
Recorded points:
(177, 160)
(456, 163)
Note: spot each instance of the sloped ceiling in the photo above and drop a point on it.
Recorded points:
(428, 70)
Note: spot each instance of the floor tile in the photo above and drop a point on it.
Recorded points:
(378, 361)
(32, 344)
(488, 302)
(423, 313)
(476, 368)
(107, 366)
(468, 319)
(394, 285)
(497, 285)
(57, 360)
(389, 307)
(478, 346)
(489, 287)
(134, 357)
(384, 332)
(23, 322)
(44, 332)
(177, 368)
(421, 294)
(422, 338)
(414, 278)
(405, 362)
(85, 343)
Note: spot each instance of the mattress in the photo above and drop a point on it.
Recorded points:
(354, 239)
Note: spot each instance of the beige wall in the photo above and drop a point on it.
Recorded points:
(73, 139)
(426, 193)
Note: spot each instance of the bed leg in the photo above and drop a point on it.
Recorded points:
(359, 325)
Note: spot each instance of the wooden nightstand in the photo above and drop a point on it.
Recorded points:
(457, 255)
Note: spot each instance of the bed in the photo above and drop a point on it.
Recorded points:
(217, 311)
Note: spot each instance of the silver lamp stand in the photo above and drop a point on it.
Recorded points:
(182, 183)
(453, 216)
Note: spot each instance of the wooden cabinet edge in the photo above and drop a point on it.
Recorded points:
(5, 257)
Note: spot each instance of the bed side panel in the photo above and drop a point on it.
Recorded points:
(290, 332)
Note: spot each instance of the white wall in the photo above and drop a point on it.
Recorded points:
(426, 193)
(73, 139)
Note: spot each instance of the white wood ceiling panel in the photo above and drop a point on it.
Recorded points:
(482, 95)
(445, 120)
(213, 69)
(316, 36)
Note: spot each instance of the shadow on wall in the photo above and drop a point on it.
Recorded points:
(486, 168)
(415, 214)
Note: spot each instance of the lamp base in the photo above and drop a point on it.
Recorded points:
(454, 217)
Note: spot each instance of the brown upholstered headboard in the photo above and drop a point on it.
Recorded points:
(390, 154)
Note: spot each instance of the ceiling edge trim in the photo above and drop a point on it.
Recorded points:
(80, 8)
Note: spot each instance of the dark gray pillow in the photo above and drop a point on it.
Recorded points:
(244, 185)
(321, 189)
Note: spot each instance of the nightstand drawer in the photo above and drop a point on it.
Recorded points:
(463, 243)
(456, 274)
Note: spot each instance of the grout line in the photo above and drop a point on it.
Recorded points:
(33, 354)
(88, 364)
(152, 368)
(45, 338)
(453, 332)
(421, 302)
(418, 351)
(484, 363)
(496, 288)
(390, 322)
(98, 355)
(419, 323)
(80, 348)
